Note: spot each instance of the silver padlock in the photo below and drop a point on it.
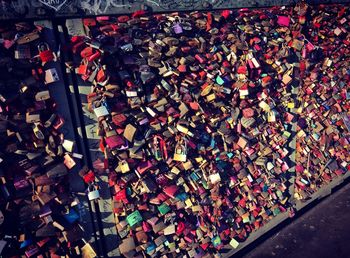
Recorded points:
(38, 133)
(51, 76)
(93, 193)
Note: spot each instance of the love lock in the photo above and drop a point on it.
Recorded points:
(22, 52)
(45, 53)
(93, 193)
(38, 133)
(51, 75)
(180, 152)
(159, 148)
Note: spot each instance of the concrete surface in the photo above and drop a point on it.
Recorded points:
(322, 231)
(19, 9)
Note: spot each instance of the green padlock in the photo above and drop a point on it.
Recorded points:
(216, 241)
(134, 218)
(164, 209)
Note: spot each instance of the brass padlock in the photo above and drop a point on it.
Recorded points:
(124, 166)
(180, 153)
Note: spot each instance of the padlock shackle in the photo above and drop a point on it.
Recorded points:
(42, 46)
(94, 187)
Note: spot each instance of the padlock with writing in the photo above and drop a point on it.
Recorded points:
(45, 53)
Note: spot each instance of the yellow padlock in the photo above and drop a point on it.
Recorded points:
(180, 153)
(124, 166)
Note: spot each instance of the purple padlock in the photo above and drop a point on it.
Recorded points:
(177, 28)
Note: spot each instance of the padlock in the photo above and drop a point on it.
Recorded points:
(42, 95)
(51, 76)
(94, 56)
(69, 161)
(180, 153)
(45, 53)
(159, 148)
(124, 166)
(29, 37)
(93, 193)
(49, 122)
(134, 218)
(271, 117)
(38, 133)
(86, 52)
(101, 75)
(22, 52)
(127, 47)
(83, 68)
(77, 46)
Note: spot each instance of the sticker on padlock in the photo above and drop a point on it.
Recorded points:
(51, 76)
(93, 193)
(45, 53)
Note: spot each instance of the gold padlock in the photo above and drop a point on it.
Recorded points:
(124, 166)
(180, 152)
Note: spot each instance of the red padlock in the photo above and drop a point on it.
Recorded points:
(45, 53)
(83, 68)
(78, 46)
(86, 52)
(94, 56)
(89, 177)
(101, 75)
(242, 69)
(123, 18)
